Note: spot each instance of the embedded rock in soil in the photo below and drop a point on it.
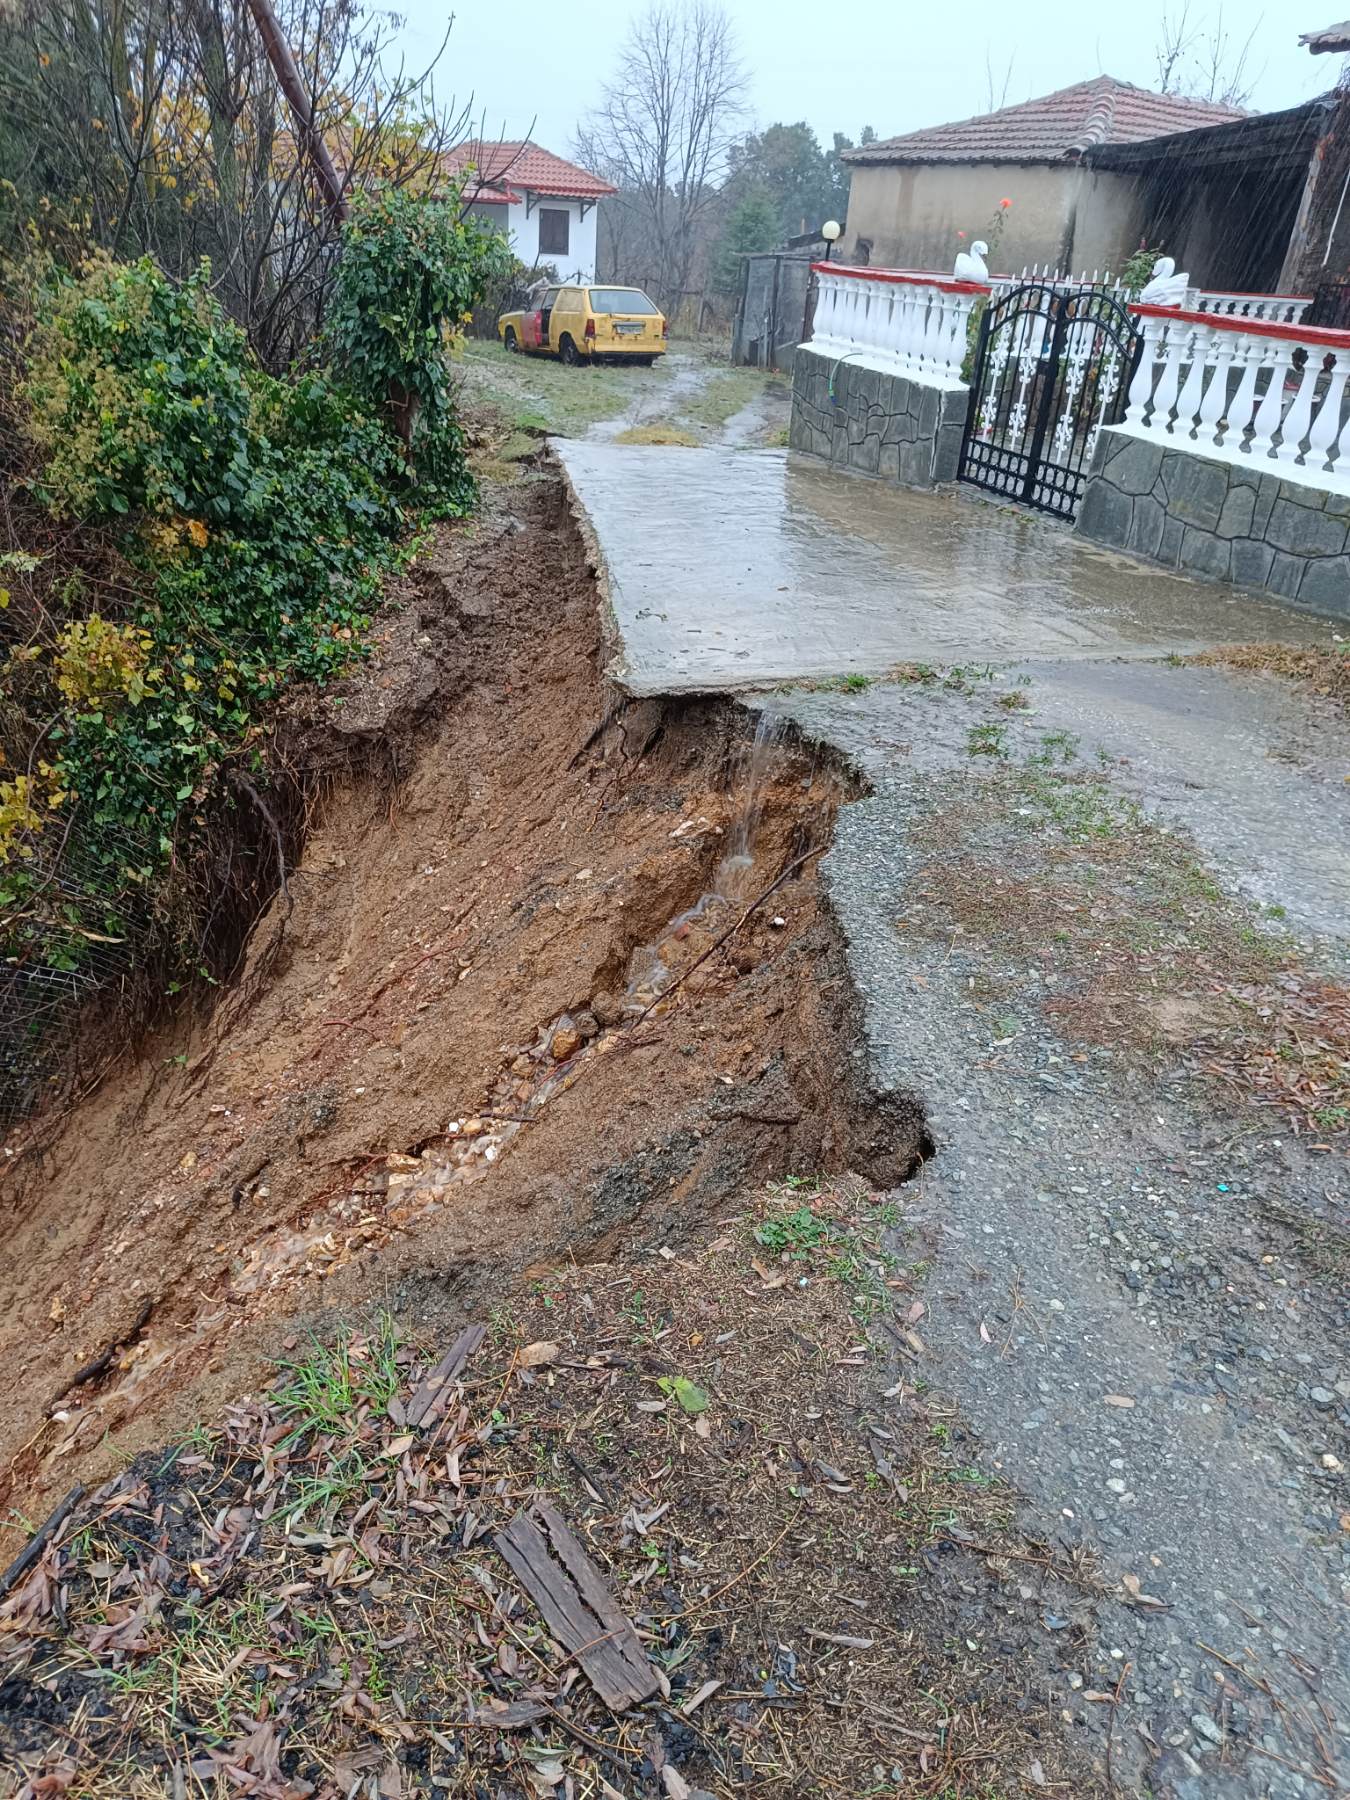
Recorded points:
(606, 1008)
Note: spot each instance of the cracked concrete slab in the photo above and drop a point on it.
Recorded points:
(738, 569)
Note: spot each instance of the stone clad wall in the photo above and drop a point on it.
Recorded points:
(875, 423)
(1223, 521)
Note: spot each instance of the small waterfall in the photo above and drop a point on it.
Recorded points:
(740, 854)
(653, 967)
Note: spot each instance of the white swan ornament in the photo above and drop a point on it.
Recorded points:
(970, 264)
(1167, 288)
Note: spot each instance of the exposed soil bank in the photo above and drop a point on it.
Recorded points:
(517, 858)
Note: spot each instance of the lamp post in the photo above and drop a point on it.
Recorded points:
(830, 231)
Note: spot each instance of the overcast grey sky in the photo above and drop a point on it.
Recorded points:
(842, 64)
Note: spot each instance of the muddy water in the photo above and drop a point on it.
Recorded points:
(746, 568)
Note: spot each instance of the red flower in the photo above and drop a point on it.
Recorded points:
(1004, 205)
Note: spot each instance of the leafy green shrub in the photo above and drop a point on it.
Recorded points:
(411, 272)
(139, 396)
(260, 516)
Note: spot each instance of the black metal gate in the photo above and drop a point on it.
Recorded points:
(1052, 366)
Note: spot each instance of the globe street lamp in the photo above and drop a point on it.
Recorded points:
(830, 231)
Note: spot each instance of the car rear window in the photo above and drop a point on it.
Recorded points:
(620, 300)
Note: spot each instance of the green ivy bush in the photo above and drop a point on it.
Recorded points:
(258, 516)
(261, 515)
(412, 270)
(139, 396)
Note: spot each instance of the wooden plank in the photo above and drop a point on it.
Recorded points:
(577, 1605)
(432, 1393)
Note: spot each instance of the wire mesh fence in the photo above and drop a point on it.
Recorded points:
(59, 953)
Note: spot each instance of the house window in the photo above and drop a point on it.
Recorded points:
(553, 229)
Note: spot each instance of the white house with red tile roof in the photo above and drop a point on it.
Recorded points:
(546, 205)
(910, 196)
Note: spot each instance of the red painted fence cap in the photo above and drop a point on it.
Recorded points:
(1290, 334)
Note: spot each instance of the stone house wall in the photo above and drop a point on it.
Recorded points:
(876, 423)
(1222, 521)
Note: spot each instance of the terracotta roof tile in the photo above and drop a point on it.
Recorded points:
(512, 167)
(1056, 128)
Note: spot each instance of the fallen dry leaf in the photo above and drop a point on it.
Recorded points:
(706, 1692)
(534, 1356)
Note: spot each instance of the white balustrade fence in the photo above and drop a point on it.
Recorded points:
(1273, 395)
(1269, 309)
(899, 322)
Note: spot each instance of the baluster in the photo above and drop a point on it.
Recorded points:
(941, 323)
(1325, 430)
(857, 311)
(1271, 410)
(890, 323)
(1222, 347)
(1251, 350)
(842, 306)
(904, 324)
(1299, 417)
(1169, 384)
(867, 303)
(962, 307)
(909, 336)
(822, 330)
(929, 328)
(1193, 388)
(1141, 388)
(828, 309)
(857, 328)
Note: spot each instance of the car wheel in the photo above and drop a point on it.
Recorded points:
(510, 339)
(567, 350)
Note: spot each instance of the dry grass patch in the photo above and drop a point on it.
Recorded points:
(1325, 671)
(1136, 945)
(657, 434)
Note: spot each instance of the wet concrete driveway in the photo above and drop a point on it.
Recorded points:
(734, 569)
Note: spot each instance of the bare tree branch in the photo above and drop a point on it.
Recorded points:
(662, 132)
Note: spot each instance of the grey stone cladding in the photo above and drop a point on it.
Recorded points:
(875, 423)
(1223, 521)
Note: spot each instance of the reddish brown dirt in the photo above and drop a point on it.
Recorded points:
(511, 853)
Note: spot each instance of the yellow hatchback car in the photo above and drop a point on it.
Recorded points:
(588, 324)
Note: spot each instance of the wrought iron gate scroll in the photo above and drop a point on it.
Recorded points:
(1052, 366)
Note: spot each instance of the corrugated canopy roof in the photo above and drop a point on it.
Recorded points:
(1058, 127)
(1331, 38)
(512, 165)
(1259, 142)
